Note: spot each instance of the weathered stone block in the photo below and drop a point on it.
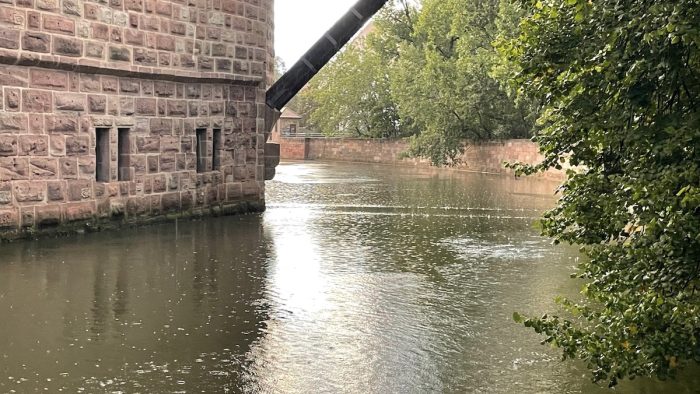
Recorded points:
(186, 201)
(94, 50)
(59, 24)
(62, 124)
(29, 191)
(146, 106)
(153, 164)
(56, 190)
(43, 168)
(193, 109)
(126, 106)
(9, 218)
(168, 162)
(148, 144)
(240, 174)
(164, 59)
(129, 86)
(115, 34)
(161, 126)
(79, 211)
(33, 145)
(33, 19)
(99, 31)
(164, 89)
(156, 204)
(13, 123)
(69, 167)
(86, 167)
(9, 39)
(251, 189)
(57, 145)
(97, 104)
(12, 99)
(47, 5)
(12, 169)
(73, 7)
(48, 79)
(170, 144)
(49, 215)
(77, 145)
(234, 191)
(139, 164)
(138, 206)
(145, 57)
(224, 65)
(170, 202)
(27, 216)
(160, 183)
(70, 101)
(177, 108)
(67, 46)
(122, 54)
(110, 84)
(134, 37)
(134, 5)
(8, 145)
(79, 190)
(6, 197)
(36, 101)
(181, 160)
(11, 16)
(90, 83)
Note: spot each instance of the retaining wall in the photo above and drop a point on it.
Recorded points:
(485, 157)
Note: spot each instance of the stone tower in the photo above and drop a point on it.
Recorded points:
(127, 111)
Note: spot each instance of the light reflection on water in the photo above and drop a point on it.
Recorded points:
(357, 279)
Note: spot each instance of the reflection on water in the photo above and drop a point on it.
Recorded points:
(357, 279)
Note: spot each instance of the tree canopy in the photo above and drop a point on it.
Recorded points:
(429, 72)
(619, 86)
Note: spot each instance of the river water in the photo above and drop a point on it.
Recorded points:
(357, 279)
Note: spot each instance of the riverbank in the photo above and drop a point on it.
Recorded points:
(486, 157)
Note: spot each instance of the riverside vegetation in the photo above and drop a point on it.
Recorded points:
(613, 88)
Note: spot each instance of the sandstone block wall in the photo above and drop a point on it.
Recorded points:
(294, 148)
(129, 110)
(485, 157)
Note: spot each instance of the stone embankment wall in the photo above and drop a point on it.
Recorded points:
(127, 111)
(486, 157)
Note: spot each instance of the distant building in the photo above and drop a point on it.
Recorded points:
(288, 125)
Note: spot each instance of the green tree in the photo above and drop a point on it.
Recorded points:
(444, 79)
(619, 85)
(352, 94)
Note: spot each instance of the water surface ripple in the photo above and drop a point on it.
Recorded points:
(357, 279)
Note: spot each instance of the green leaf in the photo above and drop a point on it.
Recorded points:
(518, 318)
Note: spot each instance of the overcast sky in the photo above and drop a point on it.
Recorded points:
(299, 23)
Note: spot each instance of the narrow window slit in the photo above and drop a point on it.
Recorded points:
(123, 162)
(102, 156)
(201, 150)
(216, 153)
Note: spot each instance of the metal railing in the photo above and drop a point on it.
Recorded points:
(312, 134)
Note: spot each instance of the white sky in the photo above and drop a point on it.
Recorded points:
(300, 23)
